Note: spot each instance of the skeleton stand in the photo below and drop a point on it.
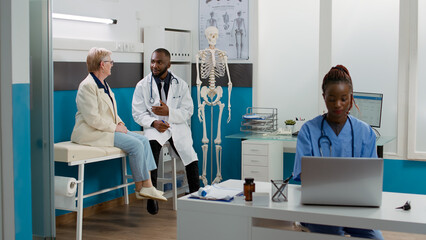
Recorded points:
(213, 64)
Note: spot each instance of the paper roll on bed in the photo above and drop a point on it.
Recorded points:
(65, 189)
(65, 186)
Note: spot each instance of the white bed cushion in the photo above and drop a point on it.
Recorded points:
(69, 152)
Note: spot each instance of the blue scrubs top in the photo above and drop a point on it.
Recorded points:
(307, 141)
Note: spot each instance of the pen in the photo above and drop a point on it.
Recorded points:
(288, 179)
(163, 121)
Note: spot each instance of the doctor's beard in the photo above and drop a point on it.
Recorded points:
(160, 74)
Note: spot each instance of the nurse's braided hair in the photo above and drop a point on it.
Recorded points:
(338, 74)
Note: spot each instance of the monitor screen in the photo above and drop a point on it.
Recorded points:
(370, 108)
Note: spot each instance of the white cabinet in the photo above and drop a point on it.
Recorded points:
(262, 160)
(179, 44)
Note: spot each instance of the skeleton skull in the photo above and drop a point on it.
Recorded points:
(212, 34)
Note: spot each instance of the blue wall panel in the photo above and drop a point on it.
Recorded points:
(64, 109)
(288, 165)
(22, 160)
(404, 176)
(124, 97)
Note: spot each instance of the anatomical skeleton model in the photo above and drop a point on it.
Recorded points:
(240, 29)
(214, 63)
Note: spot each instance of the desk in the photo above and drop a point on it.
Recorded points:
(381, 141)
(240, 220)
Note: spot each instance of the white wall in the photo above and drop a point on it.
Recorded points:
(376, 39)
(417, 84)
(21, 43)
(421, 81)
(287, 76)
(365, 38)
(133, 16)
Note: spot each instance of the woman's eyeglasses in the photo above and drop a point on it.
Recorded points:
(111, 61)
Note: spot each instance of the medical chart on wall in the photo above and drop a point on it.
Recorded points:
(231, 18)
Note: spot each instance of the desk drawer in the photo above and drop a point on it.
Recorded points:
(258, 173)
(255, 160)
(255, 149)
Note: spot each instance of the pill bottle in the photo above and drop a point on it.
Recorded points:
(249, 188)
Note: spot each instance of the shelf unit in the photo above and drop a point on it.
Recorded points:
(165, 174)
(261, 120)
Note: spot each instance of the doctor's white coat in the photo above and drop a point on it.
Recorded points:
(181, 109)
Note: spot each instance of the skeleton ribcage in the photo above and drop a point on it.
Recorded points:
(218, 66)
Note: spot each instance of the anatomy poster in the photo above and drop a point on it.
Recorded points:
(231, 18)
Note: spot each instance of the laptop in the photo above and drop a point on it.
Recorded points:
(342, 181)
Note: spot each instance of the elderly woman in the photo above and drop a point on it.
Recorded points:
(98, 124)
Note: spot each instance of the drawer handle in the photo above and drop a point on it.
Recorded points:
(254, 171)
(254, 150)
(255, 161)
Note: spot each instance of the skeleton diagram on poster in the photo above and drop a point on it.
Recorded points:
(231, 18)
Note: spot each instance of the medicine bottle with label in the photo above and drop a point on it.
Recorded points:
(249, 188)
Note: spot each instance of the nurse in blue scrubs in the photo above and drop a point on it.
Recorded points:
(336, 134)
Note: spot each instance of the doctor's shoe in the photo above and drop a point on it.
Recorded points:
(152, 206)
(152, 193)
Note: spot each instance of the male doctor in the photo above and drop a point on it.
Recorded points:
(162, 105)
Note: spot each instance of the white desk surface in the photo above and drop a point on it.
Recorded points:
(387, 217)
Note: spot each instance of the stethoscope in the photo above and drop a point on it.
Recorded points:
(323, 136)
(151, 100)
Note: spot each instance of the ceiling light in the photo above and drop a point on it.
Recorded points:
(83, 18)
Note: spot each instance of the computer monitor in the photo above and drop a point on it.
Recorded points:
(370, 108)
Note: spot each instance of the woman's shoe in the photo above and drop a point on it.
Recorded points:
(140, 197)
(152, 193)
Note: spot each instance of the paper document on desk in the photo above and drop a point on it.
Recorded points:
(216, 193)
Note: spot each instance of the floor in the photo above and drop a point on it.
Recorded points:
(134, 222)
(125, 222)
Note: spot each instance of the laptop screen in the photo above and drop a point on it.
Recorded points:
(342, 181)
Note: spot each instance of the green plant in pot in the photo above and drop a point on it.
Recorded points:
(289, 125)
(290, 122)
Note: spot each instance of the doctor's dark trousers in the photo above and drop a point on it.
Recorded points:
(191, 169)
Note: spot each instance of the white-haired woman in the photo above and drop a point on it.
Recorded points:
(98, 124)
